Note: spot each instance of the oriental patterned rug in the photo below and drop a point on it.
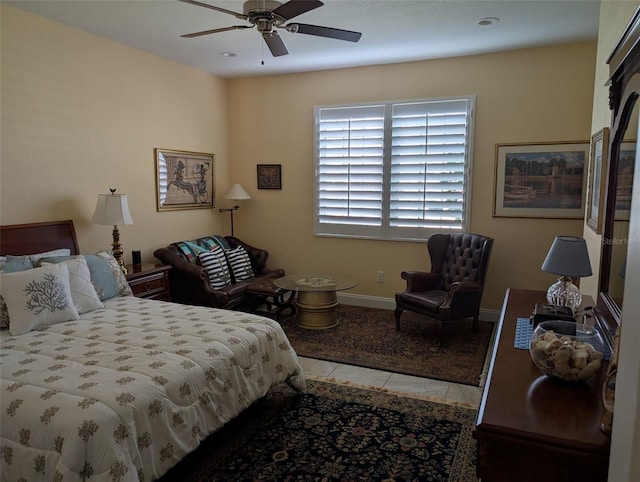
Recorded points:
(368, 337)
(337, 433)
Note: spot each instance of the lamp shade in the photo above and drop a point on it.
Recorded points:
(236, 192)
(568, 256)
(112, 209)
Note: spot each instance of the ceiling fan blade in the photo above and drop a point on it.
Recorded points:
(216, 30)
(293, 8)
(275, 44)
(241, 16)
(319, 31)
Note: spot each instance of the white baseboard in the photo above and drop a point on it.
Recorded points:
(390, 304)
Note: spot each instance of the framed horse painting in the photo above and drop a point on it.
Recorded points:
(184, 180)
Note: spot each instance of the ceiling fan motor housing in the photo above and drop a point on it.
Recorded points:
(259, 13)
(257, 8)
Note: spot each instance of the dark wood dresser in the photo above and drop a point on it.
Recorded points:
(531, 427)
(149, 281)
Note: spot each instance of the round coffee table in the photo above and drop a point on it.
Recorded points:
(317, 301)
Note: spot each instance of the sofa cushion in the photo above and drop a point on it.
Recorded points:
(240, 264)
(214, 262)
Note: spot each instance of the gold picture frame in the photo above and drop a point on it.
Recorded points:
(184, 180)
(541, 180)
(598, 165)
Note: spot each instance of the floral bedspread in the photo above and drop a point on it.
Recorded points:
(126, 391)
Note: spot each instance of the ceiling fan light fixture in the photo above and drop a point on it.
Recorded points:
(487, 21)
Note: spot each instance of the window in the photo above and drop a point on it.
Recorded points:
(393, 170)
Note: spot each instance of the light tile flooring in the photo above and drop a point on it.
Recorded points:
(394, 382)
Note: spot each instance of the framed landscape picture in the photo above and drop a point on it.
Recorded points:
(541, 180)
(184, 180)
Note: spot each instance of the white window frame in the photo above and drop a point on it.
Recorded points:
(382, 153)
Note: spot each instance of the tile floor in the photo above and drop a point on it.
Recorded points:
(422, 387)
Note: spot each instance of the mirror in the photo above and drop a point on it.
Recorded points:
(623, 192)
(624, 90)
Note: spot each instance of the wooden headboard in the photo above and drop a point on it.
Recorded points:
(17, 239)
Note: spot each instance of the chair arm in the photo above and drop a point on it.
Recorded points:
(170, 257)
(460, 290)
(189, 282)
(421, 281)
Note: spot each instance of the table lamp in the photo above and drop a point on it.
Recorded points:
(569, 258)
(113, 209)
(235, 192)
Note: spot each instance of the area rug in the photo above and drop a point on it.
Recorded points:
(368, 337)
(337, 433)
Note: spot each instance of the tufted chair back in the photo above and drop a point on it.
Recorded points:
(453, 289)
(459, 257)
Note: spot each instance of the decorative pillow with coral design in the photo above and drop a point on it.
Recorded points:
(38, 297)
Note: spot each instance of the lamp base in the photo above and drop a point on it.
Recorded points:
(564, 293)
(116, 248)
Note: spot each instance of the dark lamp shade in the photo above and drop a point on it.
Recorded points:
(568, 256)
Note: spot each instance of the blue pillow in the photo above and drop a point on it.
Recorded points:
(13, 264)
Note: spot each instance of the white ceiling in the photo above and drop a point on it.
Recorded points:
(392, 30)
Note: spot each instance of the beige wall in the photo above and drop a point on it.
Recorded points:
(536, 95)
(81, 114)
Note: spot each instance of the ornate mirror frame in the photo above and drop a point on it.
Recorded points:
(624, 90)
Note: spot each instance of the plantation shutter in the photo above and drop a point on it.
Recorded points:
(393, 170)
(428, 162)
(349, 169)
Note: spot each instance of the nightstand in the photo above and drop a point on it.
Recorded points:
(149, 280)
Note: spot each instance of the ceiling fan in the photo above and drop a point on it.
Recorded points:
(268, 15)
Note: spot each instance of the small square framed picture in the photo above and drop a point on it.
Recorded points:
(269, 176)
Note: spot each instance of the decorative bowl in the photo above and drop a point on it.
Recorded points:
(567, 350)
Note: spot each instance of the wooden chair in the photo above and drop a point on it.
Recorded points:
(453, 289)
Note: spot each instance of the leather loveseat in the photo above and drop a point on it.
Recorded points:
(189, 281)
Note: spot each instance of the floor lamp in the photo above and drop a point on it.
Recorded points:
(235, 192)
(113, 209)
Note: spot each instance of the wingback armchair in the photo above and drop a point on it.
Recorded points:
(453, 289)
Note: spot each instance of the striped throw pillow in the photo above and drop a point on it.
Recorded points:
(214, 263)
(240, 263)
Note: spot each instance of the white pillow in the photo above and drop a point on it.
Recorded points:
(240, 263)
(214, 263)
(83, 293)
(38, 297)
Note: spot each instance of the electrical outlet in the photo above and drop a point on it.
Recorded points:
(380, 276)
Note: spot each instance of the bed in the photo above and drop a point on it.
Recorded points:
(126, 390)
